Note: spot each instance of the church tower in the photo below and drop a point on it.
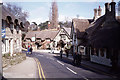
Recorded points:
(53, 16)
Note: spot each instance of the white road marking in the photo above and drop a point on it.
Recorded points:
(84, 77)
(71, 70)
(51, 58)
(60, 62)
(40, 55)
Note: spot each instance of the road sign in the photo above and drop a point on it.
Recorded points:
(3, 33)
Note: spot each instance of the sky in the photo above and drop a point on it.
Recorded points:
(67, 10)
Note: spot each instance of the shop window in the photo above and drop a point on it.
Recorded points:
(81, 48)
(108, 53)
(96, 51)
(102, 52)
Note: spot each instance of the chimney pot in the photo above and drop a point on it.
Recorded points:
(95, 13)
(99, 11)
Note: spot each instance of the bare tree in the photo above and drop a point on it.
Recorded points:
(17, 12)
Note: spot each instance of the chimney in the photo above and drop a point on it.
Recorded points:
(106, 8)
(113, 9)
(95, 13)
(99, 11)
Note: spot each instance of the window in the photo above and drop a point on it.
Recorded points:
(102, 52)
(62, 36)
(96, 51)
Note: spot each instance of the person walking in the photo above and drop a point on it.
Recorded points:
(79, 57)
(31, 49)
(61, 52)
(28, 49)
(75, 58)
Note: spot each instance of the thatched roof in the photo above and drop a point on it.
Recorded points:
(10, 18)
(94, 26)
(104, 33)
(68, 30)
(42, 34)
(107, 38)
(80, 25)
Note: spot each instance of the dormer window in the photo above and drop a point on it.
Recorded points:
(16, 25)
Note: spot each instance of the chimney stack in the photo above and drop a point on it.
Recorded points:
(95, 13)
(113, 9)
(107, 8)
(99, 11)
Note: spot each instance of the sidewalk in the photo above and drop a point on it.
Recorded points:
(96, 67)
(25, 69)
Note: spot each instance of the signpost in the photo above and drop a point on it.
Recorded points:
(3, 33)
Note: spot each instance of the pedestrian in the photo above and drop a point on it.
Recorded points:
(31, 49)
(79, 58)
(61, 52)
(28, 49)
(75, 58)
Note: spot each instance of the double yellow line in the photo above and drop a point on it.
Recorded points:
(41, 73)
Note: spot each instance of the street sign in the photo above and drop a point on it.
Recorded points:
(3, 33)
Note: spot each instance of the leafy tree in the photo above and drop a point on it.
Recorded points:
(43, 25)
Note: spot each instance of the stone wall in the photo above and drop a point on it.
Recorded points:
(12, 60)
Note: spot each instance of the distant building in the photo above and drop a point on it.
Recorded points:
(47, 39)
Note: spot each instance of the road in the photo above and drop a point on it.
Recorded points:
(54, 67)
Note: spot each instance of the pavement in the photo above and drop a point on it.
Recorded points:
(25, 69)
(106, 70)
